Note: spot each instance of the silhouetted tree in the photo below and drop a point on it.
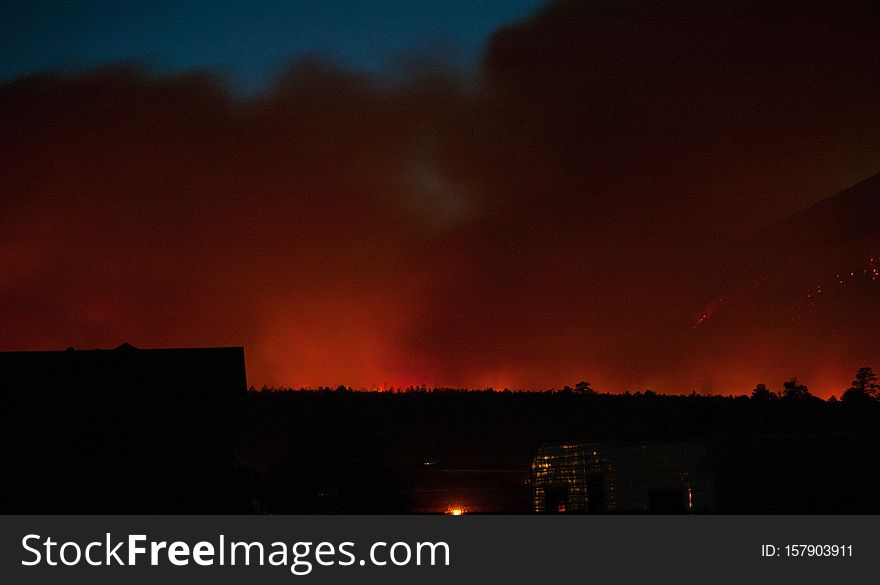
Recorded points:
(864, 387)
(583, 387)
(761, 392)
(793, 390)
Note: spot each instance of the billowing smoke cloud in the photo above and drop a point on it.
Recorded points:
(565, 216)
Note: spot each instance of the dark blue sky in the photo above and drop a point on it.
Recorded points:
(245, 40)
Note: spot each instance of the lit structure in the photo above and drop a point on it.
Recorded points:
(571, 478)
(599, 478)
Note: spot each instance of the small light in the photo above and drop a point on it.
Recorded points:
(456, 511)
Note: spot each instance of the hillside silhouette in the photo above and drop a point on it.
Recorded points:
(802, 294)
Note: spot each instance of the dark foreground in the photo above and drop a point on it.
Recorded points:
(433, 451)
(175, 431)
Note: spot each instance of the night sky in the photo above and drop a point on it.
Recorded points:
(456, 193)
(247, 42)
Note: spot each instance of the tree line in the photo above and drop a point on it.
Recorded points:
(863, 389)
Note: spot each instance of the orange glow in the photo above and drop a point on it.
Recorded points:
(456, 510)
(378, 265)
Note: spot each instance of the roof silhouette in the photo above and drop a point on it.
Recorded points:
(120, 431)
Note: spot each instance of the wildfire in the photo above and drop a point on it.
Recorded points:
(867, 273)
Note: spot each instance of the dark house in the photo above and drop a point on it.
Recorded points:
(120, 431)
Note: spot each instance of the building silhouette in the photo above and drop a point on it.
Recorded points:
(120, 431)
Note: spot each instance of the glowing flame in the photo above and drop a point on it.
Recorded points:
(868, 273)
